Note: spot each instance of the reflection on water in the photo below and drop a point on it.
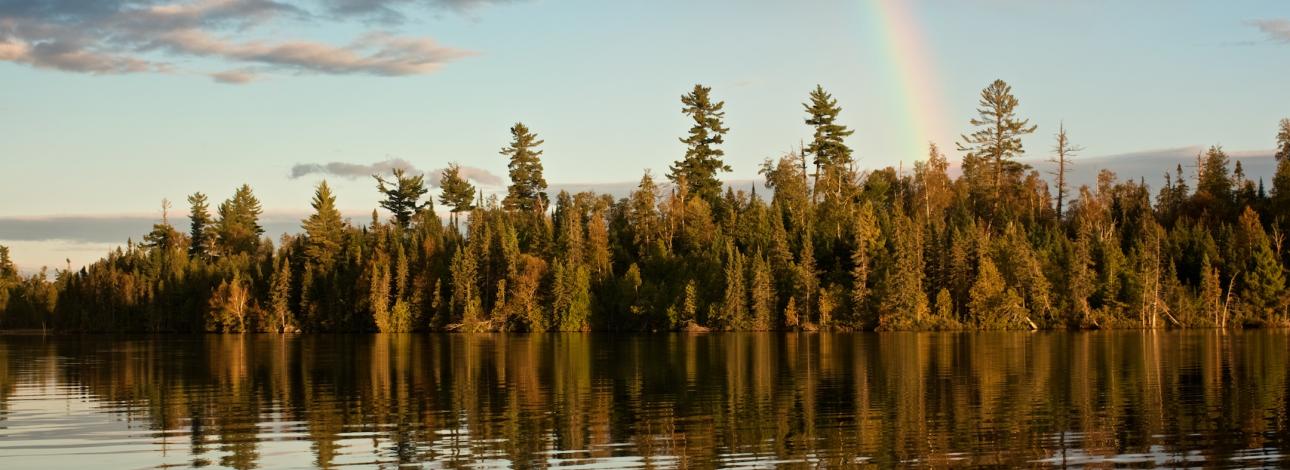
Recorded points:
(602, 400)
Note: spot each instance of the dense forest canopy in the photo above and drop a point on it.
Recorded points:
(833, 247)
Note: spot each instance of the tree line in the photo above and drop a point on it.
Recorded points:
(824, 246)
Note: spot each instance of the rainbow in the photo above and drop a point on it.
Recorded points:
(900, 40)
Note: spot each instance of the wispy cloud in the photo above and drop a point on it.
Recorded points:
(356, 170)
(393, 11)
(138, 36)
(1277, 30)
(351, 170)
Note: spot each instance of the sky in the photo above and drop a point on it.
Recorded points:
(109, 106)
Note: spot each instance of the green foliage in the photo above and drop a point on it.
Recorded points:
(456, 192)
(324, 229)
(883, 249)
(697, 171)
(527, 192)
(831, 153)
(403, 195)
(238, 229)
(200, 233)
(990, 164)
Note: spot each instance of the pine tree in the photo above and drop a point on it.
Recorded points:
(163, 236)
(8, 271)
(1283, 140)
(703, 154)
(762, 295)
(527, 191)
(997, 142)
(238, 229)
(735, 304)
(201, 239)
(867, 241)
(1214, 188)
(457, 193)
(1264, 278)
(403, 196)
(9, 280)
(1281, 180)
(1210, 296)
(993, 304)
(642, 216)
(280, 296)
(466, 303)
(832, 155)
(903, 304)
(324, 229)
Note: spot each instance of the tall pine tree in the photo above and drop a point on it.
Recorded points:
(456, 193)
(324, 229)
(403, 195)
(527, 191)
(703, 154)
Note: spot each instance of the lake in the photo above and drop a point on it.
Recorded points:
(1136, 398)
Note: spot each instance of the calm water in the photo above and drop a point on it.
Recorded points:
(600, 400)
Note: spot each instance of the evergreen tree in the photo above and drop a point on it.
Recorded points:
(201, 239)
(642, 216)
(9, 280)
(527, 191)
(457, 193)
(994, 305)
(703, 154)
(238, 228)
(1214, 186)
(997, 141)
(280, 296)
(324, 229)
(466, 304)
(1283, 140)
(762, 295)
(734, 315)
(1281, 179)
(832, 155)
(163, 236)
(1264, 277)
(403, 196)
(1211, 293)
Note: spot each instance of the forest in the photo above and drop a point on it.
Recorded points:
(823, 246)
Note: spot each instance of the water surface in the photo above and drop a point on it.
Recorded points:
(1196, 398)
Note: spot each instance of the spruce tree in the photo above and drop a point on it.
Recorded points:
(762, 295)
(280, 296)
(735, 305)
(1214, 188)
(163, 236)
(403, 196)
(324, 229)
(1281, 179)
(456, 192)
(201, 239)
(238, 229)
(1283, 140)
(703, 154)
(642, 215)
(527, 191)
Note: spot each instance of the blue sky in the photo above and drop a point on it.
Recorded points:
(139, 115)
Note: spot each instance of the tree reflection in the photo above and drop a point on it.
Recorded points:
(682, 400)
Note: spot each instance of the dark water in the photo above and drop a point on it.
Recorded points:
(1203, 398)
